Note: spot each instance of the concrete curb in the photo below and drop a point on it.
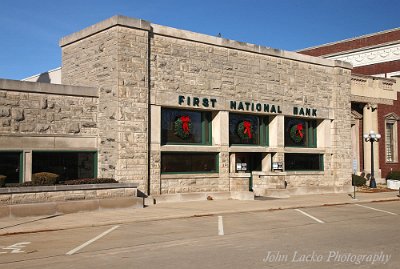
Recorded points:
(3, 231)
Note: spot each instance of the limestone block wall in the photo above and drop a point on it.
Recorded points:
(44, 110)
(115, 60)
(44, 114)
(196, 65)
(171, 184)
(140, 67)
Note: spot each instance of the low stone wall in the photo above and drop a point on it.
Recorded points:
(184, 183)
(28, 195)
(239, 181)
(63, 199)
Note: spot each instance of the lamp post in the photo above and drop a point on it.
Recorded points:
(372, 137)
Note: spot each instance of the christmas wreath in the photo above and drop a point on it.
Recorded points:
(297, 133)
(245, 130)
(183, 127)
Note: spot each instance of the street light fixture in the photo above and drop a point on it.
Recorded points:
(372, 137)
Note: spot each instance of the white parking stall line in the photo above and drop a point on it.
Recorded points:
(380, 210)
(308, 215)
(220, 226)
(91, 241)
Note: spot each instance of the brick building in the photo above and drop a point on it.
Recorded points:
(179, 112)
(375, 56)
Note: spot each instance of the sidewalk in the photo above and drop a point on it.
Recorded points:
(181, 210)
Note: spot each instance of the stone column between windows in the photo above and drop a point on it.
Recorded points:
(277, 132)
(155, 150)
(27, 166)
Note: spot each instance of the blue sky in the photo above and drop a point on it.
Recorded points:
(30, 30)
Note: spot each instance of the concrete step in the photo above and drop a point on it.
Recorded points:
(199, 196)
(275, 193)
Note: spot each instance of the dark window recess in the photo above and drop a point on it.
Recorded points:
(10, 166)
(304, 162)
(248, 162)
(300, 133)
(189, 162)
(238, 133)
(68, 165)
(200, 123)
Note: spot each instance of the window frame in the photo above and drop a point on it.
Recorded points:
(216, 154)
(95, 157)
(21, 163)
(312, 128)
(391, 119)
(263, 130)
(321, 166)
(203, 127)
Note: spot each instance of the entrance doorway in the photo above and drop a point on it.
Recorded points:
(246, 162)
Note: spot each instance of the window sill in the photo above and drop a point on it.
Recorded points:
(248, 148)
(240, 175)
(178, 175)
(289, 173)
(190, 148)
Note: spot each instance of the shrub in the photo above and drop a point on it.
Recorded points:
(358, 180)
(393, 175)
(2, 181)
(44, 179)
(90, 181)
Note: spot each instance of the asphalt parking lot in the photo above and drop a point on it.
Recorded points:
(343, 236)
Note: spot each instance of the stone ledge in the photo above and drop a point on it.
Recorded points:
(47, 88)
(193, 148)
(54, 208)
(203, 196)
(189, 176)
(56, 188)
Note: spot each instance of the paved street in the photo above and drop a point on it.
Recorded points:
(364, 235)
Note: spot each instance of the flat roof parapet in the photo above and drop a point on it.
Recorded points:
(48, 88)
(119, 20)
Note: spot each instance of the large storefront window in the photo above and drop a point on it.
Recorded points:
(300, 133)
(68, 165)
(304, 162)
(10, 166)
(185, 127)
(248, 129)
(189, 162)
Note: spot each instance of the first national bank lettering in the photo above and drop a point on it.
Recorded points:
(234, 105)
(196, 101)
(249, 106)
(244, 106)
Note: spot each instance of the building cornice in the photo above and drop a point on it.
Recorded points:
(196, 37)
(38, 87)
(369, 56)
(349, 39)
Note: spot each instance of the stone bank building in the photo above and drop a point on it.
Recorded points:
(180, 112)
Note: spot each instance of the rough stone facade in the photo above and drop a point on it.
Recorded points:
(25, 113)
(139, 68)
(115, 61)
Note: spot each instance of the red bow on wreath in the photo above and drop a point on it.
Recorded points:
(299, 130)
(247, 128)
(185, 124)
